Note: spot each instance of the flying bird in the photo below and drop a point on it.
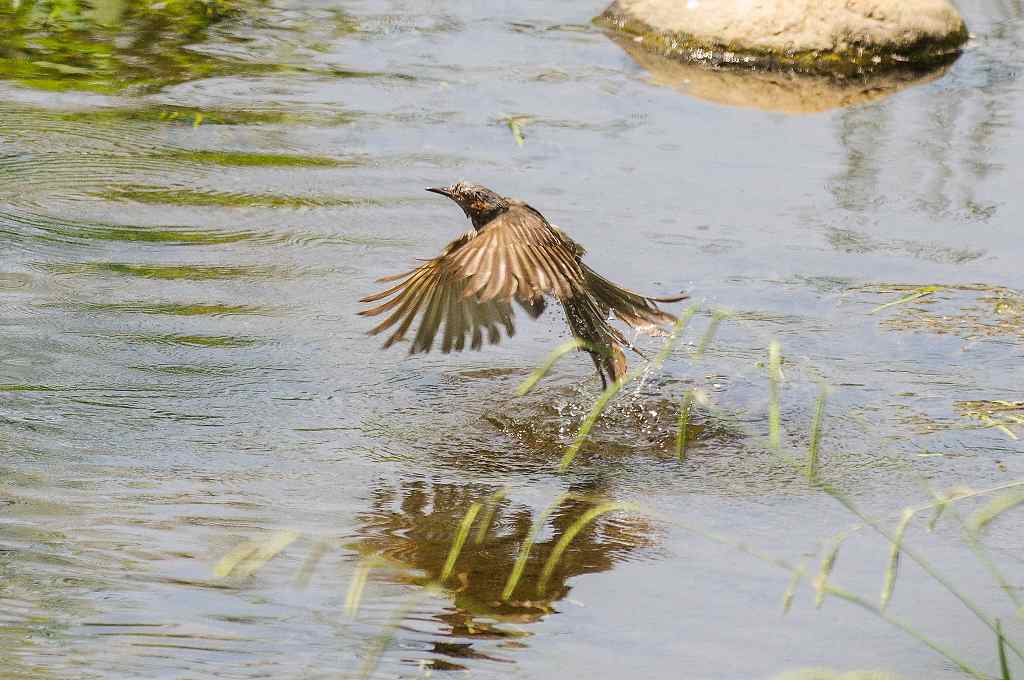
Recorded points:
(512, 254)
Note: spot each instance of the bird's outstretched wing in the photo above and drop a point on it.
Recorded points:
(469, 287)
(441, 297)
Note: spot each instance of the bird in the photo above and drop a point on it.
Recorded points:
(512, 254)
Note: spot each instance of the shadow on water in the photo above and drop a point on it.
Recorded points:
(411, 526)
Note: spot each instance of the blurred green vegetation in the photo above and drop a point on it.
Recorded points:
(110, 46)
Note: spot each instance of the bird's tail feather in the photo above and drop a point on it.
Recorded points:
(636, 310)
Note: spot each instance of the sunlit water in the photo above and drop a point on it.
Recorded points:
(190, 210)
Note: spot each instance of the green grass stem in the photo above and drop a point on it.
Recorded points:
(588, 422)
(892, 569)
(918, 559)
(852, 598)
(354, 596)
(916, 295)
(563, 543)
(943, 502)
(974, 544)
(710, 332)
(794, 583)
(1004, 667)
(828, 563)
(356, 587)
(816, 423)
(249, 557)
(490, 508)
(613, 389)
(375, 650)
(837, 592)
(977, 522)
(516, 125)
(678, 328)
(524, 550)
(549, 363)
(316, 553)
(684, 422)
(460, 540)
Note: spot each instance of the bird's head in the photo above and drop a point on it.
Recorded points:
(478, 202)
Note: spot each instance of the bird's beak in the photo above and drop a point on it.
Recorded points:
(440, 190)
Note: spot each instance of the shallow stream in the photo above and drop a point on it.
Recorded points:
(193, 197)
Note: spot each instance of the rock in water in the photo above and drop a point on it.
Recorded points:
(777, 90)
(825, 36)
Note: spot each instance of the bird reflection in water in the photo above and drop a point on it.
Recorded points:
(415, 523)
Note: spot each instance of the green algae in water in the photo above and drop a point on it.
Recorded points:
(170, 309)
(166, 272)
(112, 46)
(187, 116)
(227, 199)
(138, 234)
(970, 311)
(106, 46)
(916, 295)
(255, 159)
(1005, 416)
(208, 341)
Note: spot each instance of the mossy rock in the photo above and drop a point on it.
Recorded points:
(847, 37)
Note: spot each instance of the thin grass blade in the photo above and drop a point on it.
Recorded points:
(940, 508)
(916, 295)
(235, 556)
(358, 584)
(989, 421)
(549, 363)
(316, 553)
(991, 510)
(248, 558)
(524, 550)
(491, 507)
(909, 630)
(1004, 667)
(354, 596)
(678, 328)
(613, 389)
(570, 533)
(375, 650)
(819, 416)
(709, 334)
(828, 562)
(684, 423)
(588, 423)
(460, 540)
(515, 125)
(894, 558)
(794, 583)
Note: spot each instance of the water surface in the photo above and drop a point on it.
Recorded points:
(194, 197)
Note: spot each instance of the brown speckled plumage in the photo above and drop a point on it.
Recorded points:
(513, 253)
